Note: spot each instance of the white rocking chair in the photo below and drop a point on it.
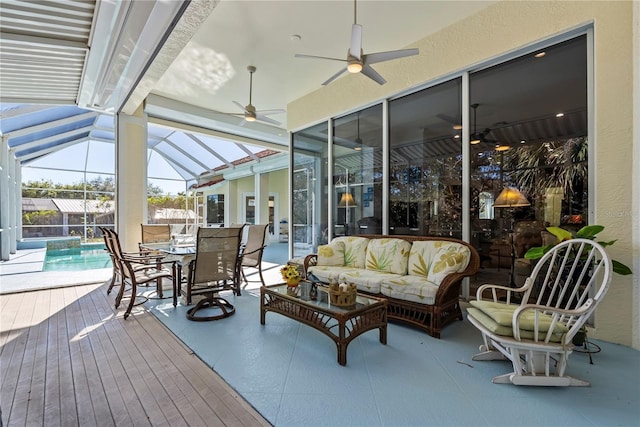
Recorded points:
(563, 291)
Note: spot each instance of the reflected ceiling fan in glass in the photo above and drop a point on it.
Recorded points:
(481, 137)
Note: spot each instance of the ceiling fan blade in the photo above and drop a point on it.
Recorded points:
(449, 119)
(374, 58)
(239, 105)
(266, 119)
(267, 112)
(356, 41)
(299, 55)
(332, 78)
(373, 74)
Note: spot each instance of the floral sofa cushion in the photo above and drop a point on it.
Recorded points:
(410, 288)
(367, 280)
(433, 260)
(331, 254)
(388, 255)
(328, 273)
(355, 249)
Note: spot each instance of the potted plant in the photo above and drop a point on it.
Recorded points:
(588, 232)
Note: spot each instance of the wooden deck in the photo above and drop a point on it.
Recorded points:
(67, 358)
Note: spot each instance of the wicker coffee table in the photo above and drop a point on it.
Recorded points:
(341, 324)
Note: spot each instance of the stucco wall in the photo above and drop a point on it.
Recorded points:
(509, 26)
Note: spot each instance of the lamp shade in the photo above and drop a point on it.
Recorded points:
(346, 201)
(511, 197)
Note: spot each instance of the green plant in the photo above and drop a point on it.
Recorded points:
(588, 232)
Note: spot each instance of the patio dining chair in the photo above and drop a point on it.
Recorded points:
(116, 277)
(135, 270)
(216, 268)
(563, 291)
(155, 233)
(252, 250)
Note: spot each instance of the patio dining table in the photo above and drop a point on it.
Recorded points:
(181, 253)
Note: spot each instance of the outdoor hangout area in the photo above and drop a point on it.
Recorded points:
(206, 226)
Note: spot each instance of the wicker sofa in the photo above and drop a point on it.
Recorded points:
(419, 276)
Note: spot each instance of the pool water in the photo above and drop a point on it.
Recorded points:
(87, 257)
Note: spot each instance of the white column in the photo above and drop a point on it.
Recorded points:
(131, 177)
(231, 204)
(5, 197)
(16, 207)
(18, 201)
(261, 185)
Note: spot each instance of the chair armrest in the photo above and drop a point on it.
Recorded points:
(309, 261)
(494, 296)
(243, 253)
(572, 318)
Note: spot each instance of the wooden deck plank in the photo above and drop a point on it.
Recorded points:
(80, 391)
(85, 365)
(128, 354)
(10, 305)
(16, 385)
(172, 399)
(86, 327)
(190, 400)
(35, 407)
(68, 405)
(52, 412)
(124, 404)
(225, 402)
(169, 377)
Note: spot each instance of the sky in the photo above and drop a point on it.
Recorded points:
(100, 161)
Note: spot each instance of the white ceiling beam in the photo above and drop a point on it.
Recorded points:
(22, 110)
(35, 41)
(128, 35)
(23, 100)
(188, 128)
(213, 152)
(98, 139)
(183, 30)
(51, 124)
(25, 157)
(223, 126)
(186, 154)
(174, 162)
(51, 138)
(249, 152)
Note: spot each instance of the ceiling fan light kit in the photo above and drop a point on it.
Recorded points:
(357, 61)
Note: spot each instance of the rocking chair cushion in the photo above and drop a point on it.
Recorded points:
(507, 331)
(502, 315)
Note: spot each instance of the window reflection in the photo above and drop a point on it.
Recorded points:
(309, 192)
(425, 192)
(357, 173)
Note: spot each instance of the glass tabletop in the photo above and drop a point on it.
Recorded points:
(165, 247)
(303, 293)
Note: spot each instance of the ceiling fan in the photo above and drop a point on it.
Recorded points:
(357, 61)
(479, 137)
(250, 113)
